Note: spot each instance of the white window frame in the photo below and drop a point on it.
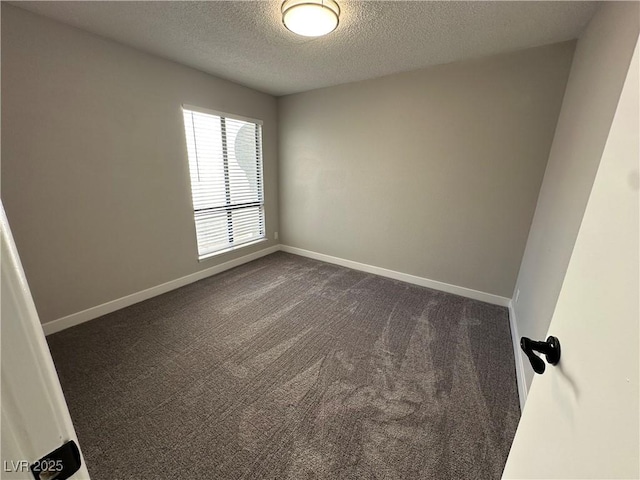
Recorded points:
(231, 116)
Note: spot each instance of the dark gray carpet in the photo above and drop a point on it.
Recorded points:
(289, 368)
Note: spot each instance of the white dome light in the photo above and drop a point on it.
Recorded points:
(310, 18)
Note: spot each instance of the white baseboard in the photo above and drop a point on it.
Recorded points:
(97, 311)
(517, 353)
(404, 277)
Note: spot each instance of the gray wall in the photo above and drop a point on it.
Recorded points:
(434, 173)
(94, 170)
(600, 65)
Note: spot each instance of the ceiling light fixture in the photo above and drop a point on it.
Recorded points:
(310, 18)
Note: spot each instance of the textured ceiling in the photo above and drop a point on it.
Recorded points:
(244, 41)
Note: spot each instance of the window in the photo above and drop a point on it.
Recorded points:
(225, 165)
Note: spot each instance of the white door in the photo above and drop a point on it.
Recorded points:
(35, 418)
(581, 418)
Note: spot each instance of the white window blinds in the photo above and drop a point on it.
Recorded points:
(225, 163)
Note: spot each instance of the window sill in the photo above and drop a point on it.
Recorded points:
(231, 249)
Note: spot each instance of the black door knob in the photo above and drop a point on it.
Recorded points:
(550, 349)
